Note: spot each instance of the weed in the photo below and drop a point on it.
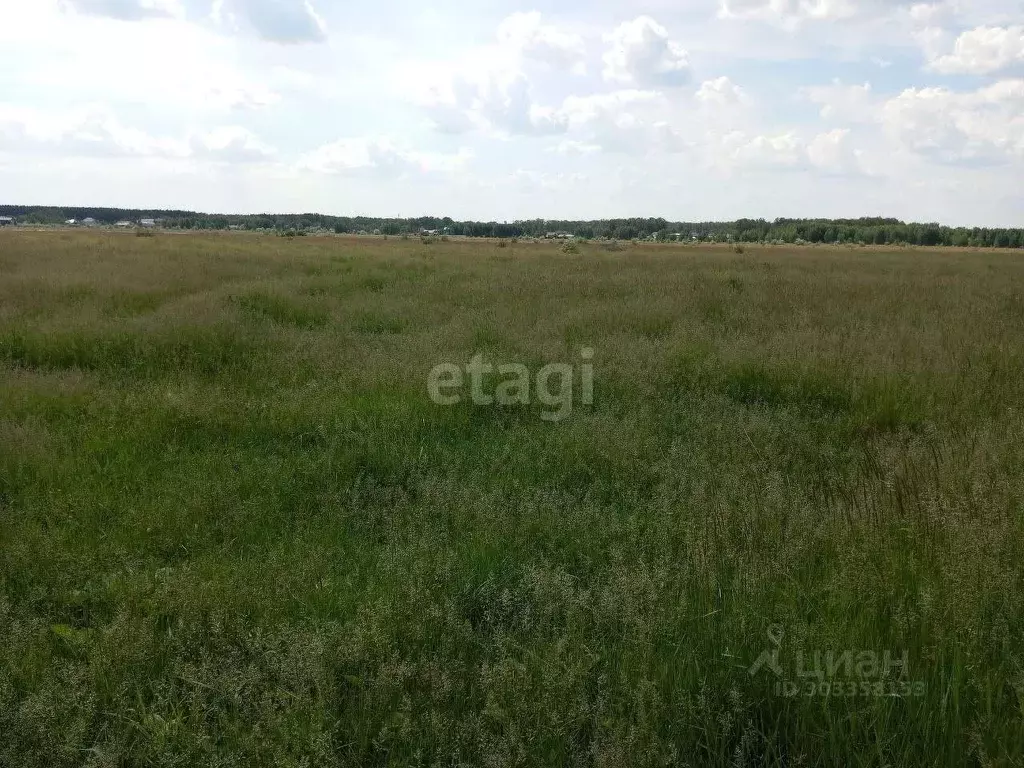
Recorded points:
(234, 529)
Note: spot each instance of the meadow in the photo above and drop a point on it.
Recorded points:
(235, 529)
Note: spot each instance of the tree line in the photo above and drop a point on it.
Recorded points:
(868, 231)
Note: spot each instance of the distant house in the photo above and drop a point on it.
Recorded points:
(147, 222)
(123, 224)
(429, 232)
(89, 222)
(6, 221)
(71, 222)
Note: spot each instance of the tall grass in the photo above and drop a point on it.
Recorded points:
(234, 529)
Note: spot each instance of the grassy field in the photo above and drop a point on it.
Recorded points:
(235, 530)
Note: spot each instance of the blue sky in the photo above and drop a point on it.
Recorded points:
(711, 109)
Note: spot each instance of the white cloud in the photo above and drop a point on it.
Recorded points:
(983, 50)
(232, 144)
(94, 132)
(783, 150)
(586, 109)
(786, 10)
(932, 41)
(505, 102)
(499, 101)
(174, 108)
(491, 90)
(931, 14)
(829, 153)
(720, 92)
(278, 21)
(789, 12)
(986, 125)
(86, 132)
(379, 156)
(832, 152)
(125, 10)
(574, 147)
(526, 34)
(540, 180)
(642, 54)
(165, 65)
(630, 121)
(846, 103)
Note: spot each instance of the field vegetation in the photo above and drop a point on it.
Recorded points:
(234, 529)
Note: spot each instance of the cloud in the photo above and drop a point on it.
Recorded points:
(95, 132)
(539, 180)
(232, 144)
(832, 152)
(124, 10)
(166, 67)
(790, 13)
(506, 103)
(500, 101)
(642, 54)
(783, 150)
(982, 51)
(787, 10)
(381, 157)
(629, 121)
(720, 92)
(574, 147)
(87, 132)
(986, 125)
(491, 89)
(278, 21)
(829, 153)
(846, 103)
(526, 34)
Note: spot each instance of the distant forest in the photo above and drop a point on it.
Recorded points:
(876, 231)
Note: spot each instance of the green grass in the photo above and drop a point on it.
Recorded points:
(235, 530)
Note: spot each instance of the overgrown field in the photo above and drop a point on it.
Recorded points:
(235, 530)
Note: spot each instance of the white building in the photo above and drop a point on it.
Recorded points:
(147, 222)
(6, 221)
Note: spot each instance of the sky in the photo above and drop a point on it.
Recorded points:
(580, 109)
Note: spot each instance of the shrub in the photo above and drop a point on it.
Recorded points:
(144, 233)
(426, 240)
(739, 249)
(570, 247)
(612, 245)
(503, 244)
